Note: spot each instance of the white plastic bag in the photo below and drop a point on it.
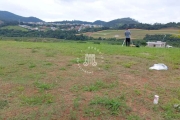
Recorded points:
(159, 66)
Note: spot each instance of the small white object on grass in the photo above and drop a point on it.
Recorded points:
(159, 66)
(156, 99)
(168, 46)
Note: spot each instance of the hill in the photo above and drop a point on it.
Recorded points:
(120, 22)
(8, 16)
(99, 22)
(72, 22)
(112, 23)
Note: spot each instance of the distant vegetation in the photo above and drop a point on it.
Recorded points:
(136, 33)
(8, 23)
(124, 23)
(14, 28)
(121, 22)
(111, 36)
(155, 26)
(59, 34)
(112, 23)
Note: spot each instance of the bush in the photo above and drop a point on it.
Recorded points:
(97, 42)
(81, 42)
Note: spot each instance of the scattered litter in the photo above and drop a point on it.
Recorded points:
(159, 66)
(156, 99)
(176, 105)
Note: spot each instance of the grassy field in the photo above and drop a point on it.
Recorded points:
(14, 28)
(136, 33)
(44, 81)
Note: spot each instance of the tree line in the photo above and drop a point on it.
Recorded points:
(59, 34)
(118, 26)
(7, 23)
(146, 26)
(94, 29)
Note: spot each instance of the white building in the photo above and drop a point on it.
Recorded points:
(156, 44)
(53, 28)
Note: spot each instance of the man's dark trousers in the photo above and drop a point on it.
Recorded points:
(127, 41)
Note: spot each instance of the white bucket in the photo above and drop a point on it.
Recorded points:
(156, 99)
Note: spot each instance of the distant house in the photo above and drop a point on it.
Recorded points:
(35, 28)
(72, 28)
(81, 27)
(156, 44)
(53, 28)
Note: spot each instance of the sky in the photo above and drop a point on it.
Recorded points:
(144, 11)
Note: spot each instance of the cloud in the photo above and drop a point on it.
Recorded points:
(146, 11)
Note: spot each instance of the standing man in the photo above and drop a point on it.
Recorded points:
(127, 34)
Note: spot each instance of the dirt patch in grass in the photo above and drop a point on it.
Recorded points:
(29, 91)
(20, 111)
(7, 87)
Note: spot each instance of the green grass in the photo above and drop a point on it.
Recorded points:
(114, 105)
(99, 85)
(62, 68)
(138, 92)
(20, 88)
(50, 54)
(32, 65)
(75, 88)
(3, 104)
(107, 66)
(48, 64)
(173, 56)
(34, 50)
(91, 111)
(73, 115)
(128, 64)
(133, 117)
(14, 28)
(43, 86)
(171, 112)
(35, 74)
(76, 103)
(37, 99)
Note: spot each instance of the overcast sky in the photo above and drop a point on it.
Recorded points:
(145, 11)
